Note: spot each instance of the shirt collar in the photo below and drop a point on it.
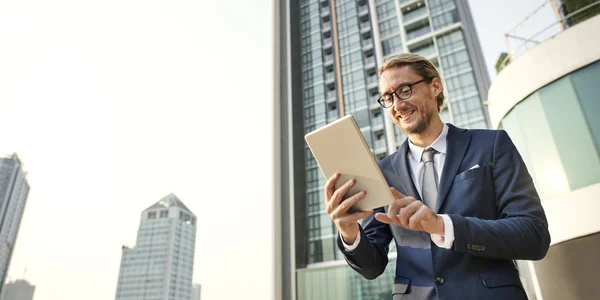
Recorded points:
(439, 145)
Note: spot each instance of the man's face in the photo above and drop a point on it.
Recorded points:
(414, 114)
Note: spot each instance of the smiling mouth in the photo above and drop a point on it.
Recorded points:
(406, 114)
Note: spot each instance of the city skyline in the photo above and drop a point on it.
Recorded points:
(14, 190)
(160, 265)
(107, 115)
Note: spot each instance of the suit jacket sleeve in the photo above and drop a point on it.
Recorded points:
(370, 256)
(521, 230)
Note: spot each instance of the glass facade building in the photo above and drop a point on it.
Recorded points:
(14, 190)
(547, 101)
(160, 266)
(329, 67)
(553, 114)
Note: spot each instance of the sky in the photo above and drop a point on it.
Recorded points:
(114, 104)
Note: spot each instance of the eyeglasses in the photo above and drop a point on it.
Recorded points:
(403, 92)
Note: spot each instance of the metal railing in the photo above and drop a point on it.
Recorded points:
(530, 41)
(419, 32)
(425, 51)
(379, 144)
(333, 114)
(415, 14)
(329, 77)
(376, 121)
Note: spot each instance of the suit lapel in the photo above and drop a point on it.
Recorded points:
(458, 142)
(402, 170)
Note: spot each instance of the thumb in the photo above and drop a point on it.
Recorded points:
(397, 194)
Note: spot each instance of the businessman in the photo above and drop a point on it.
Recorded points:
(465, 207)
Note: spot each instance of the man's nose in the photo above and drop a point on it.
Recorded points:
(398, 103)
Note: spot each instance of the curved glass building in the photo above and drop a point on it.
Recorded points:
(548, 100)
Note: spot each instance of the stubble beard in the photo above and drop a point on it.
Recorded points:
(418, 128)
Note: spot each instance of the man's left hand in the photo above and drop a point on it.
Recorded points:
(412, 214)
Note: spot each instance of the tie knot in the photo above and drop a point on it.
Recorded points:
(428, 155)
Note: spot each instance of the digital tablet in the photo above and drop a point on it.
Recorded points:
(340, 147)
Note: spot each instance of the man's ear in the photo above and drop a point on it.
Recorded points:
(436, 86)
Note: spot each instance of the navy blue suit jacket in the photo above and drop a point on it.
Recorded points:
(497, 218)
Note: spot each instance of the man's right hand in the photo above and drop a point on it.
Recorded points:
(337, 209)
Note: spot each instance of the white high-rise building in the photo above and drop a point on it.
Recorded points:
(160, 266)
(196, 292)
(14, 190)
(19, 289)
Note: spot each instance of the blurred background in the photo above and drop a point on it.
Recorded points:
(155, 150)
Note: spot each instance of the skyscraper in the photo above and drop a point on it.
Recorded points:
(18, 290)
(196, 292)
(328, 55)
(14, 190)
(160, 266)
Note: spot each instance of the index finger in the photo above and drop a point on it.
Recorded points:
(400, 204)
(397, 194)
(330, 186)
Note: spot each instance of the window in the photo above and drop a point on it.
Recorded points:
(388, 27)
(391, 45)
(152, 215)
(386, 9)
(164, 213)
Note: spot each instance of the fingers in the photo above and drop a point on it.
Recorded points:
(338, 195)
(400, 204)
(397, 194)
(355, 217)
(384, 218)
(330, 186)
(407, 212)
(415, 221)
(343, 208)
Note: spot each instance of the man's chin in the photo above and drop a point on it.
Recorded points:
(415, 128)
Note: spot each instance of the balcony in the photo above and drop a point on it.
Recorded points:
(332, 115)
(415, 18)
(414, 14)
(330, 96)
(325, 13)
(380, 146)
(365, 30)
(377, 123)
(370, 65)
(373, 104)
(363, 13)
(425, 51)
(372, 83)
(326, 29)
(327, 45)
(411, 35)
(328, 62)
(408, 3)
(330, 79)
(367, 47)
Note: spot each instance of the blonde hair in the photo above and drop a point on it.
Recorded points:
(420, 65)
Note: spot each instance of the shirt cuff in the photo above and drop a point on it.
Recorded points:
(353, 246)
(446, 240)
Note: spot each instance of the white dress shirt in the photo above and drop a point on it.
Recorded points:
(417, 168)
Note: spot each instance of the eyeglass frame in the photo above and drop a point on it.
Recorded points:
(381, 101)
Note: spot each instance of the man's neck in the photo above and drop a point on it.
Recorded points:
(427, 137)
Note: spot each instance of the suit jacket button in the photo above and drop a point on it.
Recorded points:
(439, 280)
